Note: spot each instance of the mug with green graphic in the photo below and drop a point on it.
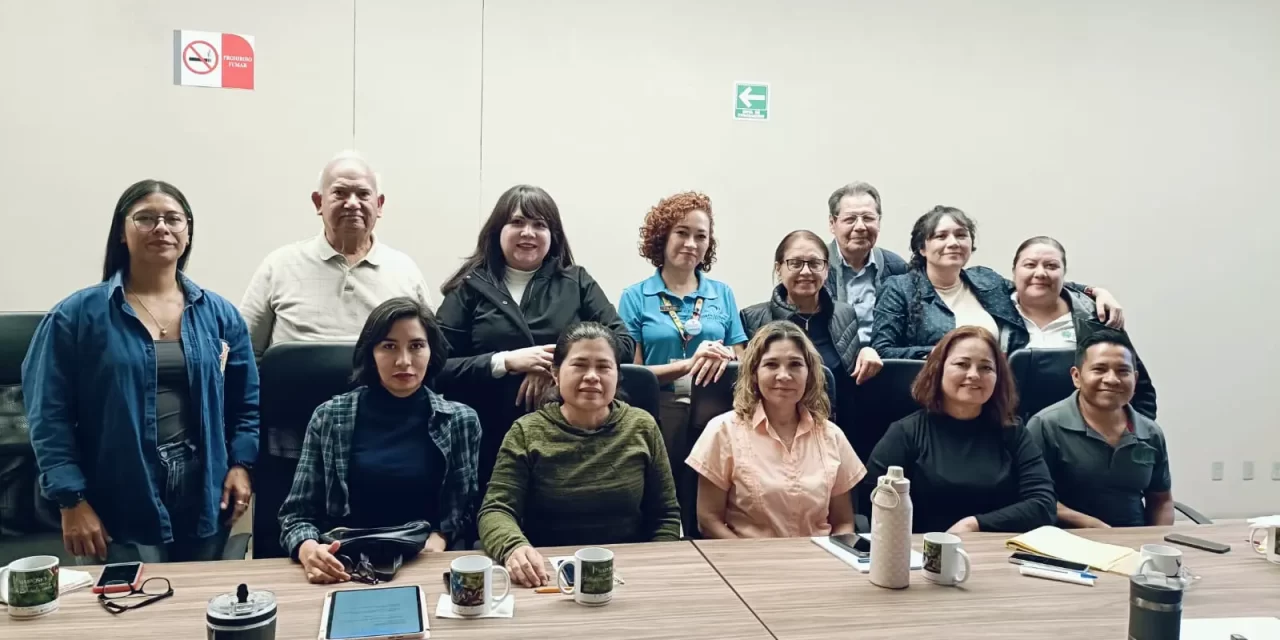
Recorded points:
(592, 571)
(30, 586)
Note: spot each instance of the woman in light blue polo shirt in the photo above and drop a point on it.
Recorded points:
(686, 325)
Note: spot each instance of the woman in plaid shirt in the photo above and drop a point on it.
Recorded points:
(390, 452)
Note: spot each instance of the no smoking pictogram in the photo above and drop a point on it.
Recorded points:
(200, 57)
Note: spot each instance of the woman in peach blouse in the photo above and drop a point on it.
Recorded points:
(775, 467)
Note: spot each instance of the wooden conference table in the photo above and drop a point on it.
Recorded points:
(740, 589)
(800, 591)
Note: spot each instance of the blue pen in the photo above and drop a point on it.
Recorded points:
(1082, 574)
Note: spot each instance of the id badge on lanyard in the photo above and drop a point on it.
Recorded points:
(688, 330)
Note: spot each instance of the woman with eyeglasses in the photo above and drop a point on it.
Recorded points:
(800, 266)
(142, 396)
(389, 453)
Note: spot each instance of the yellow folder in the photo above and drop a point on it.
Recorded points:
(1056, 543)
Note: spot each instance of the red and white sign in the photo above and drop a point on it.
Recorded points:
(211, 59)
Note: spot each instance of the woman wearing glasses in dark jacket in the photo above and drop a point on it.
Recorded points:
(142, 396)
(800, 265)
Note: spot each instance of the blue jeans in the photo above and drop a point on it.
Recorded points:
(181, 475)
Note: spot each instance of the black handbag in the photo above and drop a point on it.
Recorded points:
(375, 555)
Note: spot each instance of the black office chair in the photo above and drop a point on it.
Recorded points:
(16, 331)
(28, 522)
(1043, 377)
(706, 403)
(879, 402)
(639, 388)
(296, 378)
(876, 404)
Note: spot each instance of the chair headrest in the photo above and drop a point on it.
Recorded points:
(297, 377)
(16, 330)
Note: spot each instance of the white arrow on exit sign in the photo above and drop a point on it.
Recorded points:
(747, 97)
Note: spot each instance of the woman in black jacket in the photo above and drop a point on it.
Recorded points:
(800, 264)
(505, 308)
(1058, 317)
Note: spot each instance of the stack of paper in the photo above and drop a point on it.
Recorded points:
(1056, 543)
(71, 580)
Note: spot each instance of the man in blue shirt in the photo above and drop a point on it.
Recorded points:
(862, 267)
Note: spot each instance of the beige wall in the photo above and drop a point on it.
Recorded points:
(1142, 136)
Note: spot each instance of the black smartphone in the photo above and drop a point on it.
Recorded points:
(1035, 558)
(853, 543)
(119, 578)
(1197, 543)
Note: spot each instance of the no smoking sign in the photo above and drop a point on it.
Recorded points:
(200, 57)
(212, 59)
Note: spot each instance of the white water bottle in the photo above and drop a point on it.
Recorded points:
(891, 530)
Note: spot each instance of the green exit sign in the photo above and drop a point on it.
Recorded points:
(751, 101)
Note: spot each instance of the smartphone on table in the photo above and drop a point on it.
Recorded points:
(1197, 543)
(853, 543)
(123, 577)
(1022, 557)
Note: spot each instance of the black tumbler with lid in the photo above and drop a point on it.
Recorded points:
(243, 615)
(1155, 608)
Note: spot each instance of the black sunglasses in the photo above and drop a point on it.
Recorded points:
(112, 601)
(360, 571)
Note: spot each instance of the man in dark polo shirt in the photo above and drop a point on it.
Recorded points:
(1109, 463)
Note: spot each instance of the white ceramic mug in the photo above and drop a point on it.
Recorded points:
(1161, 559)
(592, 576)
(945, 562)
(1269, 545)
(471, 585)
(30, 586)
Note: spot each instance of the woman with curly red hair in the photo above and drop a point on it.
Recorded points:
(686, 325)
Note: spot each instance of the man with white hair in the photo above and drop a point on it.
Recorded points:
(324, 288)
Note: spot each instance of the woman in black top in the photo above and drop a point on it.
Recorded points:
(971, 464)
(505, 308)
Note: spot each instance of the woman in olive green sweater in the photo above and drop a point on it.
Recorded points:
(588, 470)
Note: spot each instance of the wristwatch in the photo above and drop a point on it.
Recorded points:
(69, 499)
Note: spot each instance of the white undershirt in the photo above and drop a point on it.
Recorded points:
(965, 306)
(1060, 333)
(516, 281)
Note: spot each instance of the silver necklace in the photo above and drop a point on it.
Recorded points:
(806, 320)
(164, 329)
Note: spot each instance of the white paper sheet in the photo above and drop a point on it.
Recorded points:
(505, 609)
(863, 566)
(71, 580)
(1220, 628)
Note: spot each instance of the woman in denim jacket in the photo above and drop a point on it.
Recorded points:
(142, 395)
(938, 293)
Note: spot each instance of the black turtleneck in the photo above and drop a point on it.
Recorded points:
(396, 469)
(962, 468)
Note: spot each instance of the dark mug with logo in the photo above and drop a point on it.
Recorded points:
(30, 586)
